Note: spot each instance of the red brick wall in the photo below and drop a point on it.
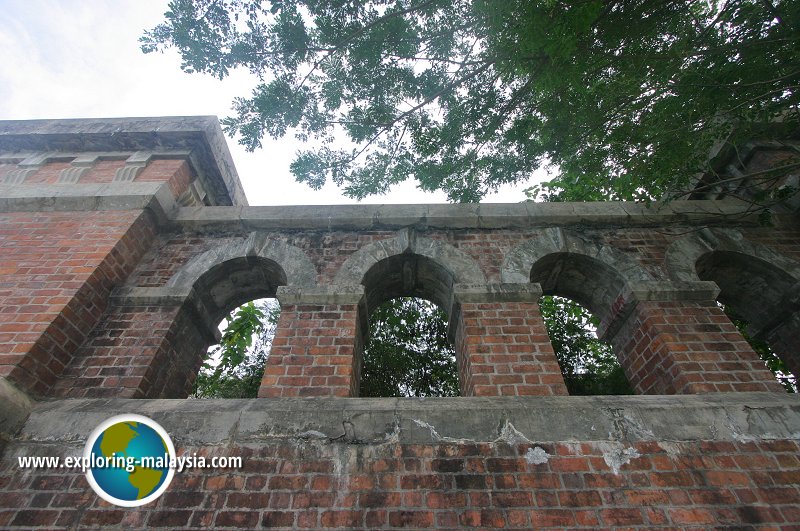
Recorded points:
(137, 352)
(696, 485)
(328, 250)
(58, 270)
(503, 349)
(313, 352)
(688, 347)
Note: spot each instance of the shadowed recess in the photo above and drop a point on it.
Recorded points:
(588, 281)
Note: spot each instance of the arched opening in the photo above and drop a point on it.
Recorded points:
(749, 285)
(235, 282)
(586, 280)
(408, 275)
(754, 293)
(406, 350)
(578, 293)
(234, 367)
(588, 364)
(238, 296)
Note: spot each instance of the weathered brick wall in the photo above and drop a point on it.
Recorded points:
(681, 347)
(114, 277)
(413, 466)
(448, 486)
(58, 271)
(504, 350)
(152, 347)
(313, 352)
(706, 353)
(329, 249)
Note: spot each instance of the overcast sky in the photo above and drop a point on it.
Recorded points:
(81, 59)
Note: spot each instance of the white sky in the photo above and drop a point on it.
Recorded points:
(81, 59)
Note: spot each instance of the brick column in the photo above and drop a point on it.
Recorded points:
(672, 338)
(57, 271)
(502, 346)
(317, 343)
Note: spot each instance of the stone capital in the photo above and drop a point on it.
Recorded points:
(642, 291)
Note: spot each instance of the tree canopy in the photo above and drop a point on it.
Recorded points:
(588, 364)
(407, 352)
(621, 99)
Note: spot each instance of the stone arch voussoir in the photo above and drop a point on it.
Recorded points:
(293, 261)
(518, 263)
(463, 268)
(682, 255)
(591, 273)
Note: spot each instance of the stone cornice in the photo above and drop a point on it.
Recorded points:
(200, 136)
(466, 216)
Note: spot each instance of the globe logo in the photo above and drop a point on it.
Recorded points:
(129, 460)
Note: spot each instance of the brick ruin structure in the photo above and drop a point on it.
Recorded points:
(124, 242)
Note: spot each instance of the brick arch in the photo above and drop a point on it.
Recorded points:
(461, 266)
(566, 264)
(408, 265)
(292, 260)
(753, 279)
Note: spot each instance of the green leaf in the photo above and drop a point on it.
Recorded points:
(407, 353)
(234, 367)
(466, 95)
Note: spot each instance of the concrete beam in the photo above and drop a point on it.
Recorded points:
(155, 196)
(171, 296)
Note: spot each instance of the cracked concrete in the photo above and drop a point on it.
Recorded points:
(620, 419)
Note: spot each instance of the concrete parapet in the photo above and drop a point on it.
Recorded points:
(720, 417)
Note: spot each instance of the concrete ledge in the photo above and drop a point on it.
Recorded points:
(170, 296)
(714, 417)
(151, 296)
(16, 406)
(154, 196)
(638, 291)
(702, 290)
(461, 216)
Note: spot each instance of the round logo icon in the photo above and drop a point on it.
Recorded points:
(129, 460)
